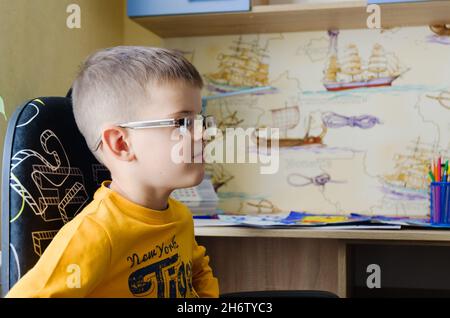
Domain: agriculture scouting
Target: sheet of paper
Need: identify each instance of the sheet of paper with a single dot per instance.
(212, 222)
(360, 227)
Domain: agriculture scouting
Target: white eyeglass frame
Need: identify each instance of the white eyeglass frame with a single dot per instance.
(184, 123)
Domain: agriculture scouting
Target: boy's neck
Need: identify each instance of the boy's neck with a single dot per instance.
(147, 197)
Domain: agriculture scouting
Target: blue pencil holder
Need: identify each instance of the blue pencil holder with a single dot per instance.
(440, 203)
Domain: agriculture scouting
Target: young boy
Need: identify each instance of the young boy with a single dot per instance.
(132, 240)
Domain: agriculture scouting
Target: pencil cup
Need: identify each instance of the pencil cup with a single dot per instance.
(440, 203)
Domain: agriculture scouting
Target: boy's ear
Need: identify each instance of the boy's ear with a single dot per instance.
(116, 142)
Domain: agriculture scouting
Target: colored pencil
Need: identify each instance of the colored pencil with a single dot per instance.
(439, 169)
(445, 177)
(431, 176)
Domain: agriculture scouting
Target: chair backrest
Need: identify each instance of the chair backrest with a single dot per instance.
(48, 176)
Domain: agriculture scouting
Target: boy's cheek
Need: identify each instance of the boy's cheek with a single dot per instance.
(175, 162)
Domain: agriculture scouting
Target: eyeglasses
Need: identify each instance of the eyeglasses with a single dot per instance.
(184, 123)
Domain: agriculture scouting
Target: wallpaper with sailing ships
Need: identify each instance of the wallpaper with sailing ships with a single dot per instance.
(360, 113)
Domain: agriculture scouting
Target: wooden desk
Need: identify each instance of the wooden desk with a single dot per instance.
(314, 259)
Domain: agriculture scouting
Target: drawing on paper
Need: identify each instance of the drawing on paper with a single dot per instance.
(443, 98)
(410, 178)
(441, 34)
(300, 180)
(333, 120)
(219, 175)
(243, 67)
(347, 71)
(263, 206)
(287, 118)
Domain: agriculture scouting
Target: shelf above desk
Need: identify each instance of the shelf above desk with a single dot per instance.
(266, 18)
(375, 235)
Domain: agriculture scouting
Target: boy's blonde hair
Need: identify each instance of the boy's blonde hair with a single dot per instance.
(114, 83)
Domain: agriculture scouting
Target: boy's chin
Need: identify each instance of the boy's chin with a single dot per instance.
(194, 176)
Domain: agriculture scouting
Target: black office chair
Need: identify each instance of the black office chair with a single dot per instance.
(48, 176)
(281, 294)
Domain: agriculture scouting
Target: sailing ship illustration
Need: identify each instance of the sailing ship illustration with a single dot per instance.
(348, 71)
(243, 67)
(410, 179)
(287, 118)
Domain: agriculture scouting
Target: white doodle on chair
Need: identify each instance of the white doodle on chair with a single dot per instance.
(57, 184)
(41, 237)
(16, 258)
(32, 117)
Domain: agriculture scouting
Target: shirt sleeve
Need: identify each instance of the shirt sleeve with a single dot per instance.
(72, 265)
(205, 284)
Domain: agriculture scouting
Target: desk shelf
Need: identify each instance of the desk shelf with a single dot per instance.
(271, 18)
(323, 233)
(331, 260)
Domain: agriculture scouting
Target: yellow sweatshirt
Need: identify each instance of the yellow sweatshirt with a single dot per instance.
(116, 248)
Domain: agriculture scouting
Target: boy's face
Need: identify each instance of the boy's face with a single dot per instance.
(153, 147)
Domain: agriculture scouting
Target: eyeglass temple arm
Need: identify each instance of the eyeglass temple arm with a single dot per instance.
(150, 124)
